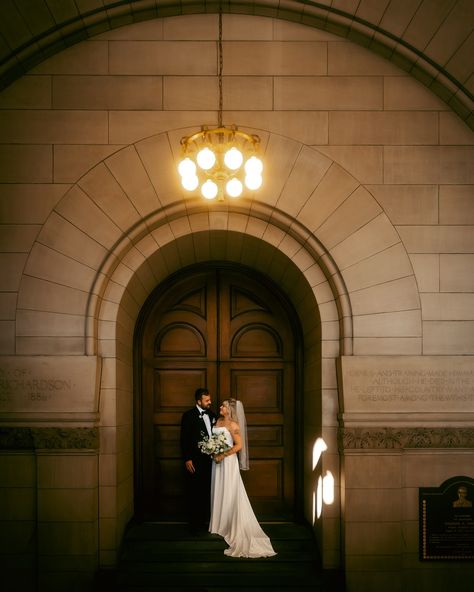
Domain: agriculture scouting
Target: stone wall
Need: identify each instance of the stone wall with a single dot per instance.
(365, 219)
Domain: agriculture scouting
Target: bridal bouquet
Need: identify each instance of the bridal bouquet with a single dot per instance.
(215, 444)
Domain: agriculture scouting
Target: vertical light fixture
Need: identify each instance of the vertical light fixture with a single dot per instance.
(221, 161)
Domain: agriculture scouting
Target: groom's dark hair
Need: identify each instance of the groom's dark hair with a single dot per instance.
(200, 392)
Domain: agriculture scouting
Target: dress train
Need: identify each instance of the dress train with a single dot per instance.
(232, 516)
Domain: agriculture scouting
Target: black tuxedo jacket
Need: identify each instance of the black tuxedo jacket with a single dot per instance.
(193, 430)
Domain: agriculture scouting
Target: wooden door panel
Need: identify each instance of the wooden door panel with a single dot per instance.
(173, 386)
(208, 330)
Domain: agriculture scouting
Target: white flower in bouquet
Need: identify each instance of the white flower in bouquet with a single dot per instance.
(215, 444)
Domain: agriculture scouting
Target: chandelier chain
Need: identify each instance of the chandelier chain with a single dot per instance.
(221, 66)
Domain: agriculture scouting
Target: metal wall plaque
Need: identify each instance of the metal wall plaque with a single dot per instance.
(447, 520)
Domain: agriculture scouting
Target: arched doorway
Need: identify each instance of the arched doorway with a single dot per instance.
(228, 328)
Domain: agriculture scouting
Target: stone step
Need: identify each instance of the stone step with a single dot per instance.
(166, 557)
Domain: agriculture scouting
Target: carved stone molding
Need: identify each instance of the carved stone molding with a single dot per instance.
(21, 438)
(383, 438)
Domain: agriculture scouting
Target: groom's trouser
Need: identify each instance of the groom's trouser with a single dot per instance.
(198, 493)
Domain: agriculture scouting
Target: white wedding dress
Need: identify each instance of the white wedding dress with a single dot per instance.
(232, 516)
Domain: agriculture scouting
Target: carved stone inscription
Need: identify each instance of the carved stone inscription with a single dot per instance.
(408, 383)
(48, 384)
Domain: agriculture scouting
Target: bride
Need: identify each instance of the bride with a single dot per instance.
(232, 516)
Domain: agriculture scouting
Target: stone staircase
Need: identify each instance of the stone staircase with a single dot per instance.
(165, 557)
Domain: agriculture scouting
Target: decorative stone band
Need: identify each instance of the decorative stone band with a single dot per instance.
(383, 438)
(21, 438)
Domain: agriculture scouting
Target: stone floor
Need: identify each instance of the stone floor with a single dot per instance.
(166, 557)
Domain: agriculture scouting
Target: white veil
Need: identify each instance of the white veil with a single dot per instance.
(244, 451)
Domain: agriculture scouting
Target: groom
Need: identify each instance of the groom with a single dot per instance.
(197, 423)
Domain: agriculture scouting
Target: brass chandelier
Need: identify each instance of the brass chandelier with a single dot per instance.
(223, 160)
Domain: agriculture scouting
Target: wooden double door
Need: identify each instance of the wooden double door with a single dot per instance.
(229, 331)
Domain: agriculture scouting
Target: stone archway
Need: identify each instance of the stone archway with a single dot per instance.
(124, 227)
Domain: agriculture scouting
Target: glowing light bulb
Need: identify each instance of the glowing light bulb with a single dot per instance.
(209, 189)
(253, 181)
(254, 166)
(233, 159)
(234, 187)
(187, 167)
(190, 182)
(206, 158)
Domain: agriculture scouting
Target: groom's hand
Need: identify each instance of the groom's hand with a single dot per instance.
(189, 466)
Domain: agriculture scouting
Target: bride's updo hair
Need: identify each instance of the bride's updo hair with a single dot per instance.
(231, 405)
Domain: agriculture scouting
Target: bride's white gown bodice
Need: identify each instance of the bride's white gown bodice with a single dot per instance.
(232, 516)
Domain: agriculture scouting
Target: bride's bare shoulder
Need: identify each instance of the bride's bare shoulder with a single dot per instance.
(234, 427)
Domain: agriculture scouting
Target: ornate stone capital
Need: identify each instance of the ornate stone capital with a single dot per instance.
(383, 438)
(22, 438)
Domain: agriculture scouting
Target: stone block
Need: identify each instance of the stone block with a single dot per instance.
(328, 93)
(188, 58)
(17, 504)
(383, 128)
(59, 234)
(452, 130)
(17, 238)
(107, 92)
(349, 59)
(54, 127)
(428, 165)
(310, 128)
(71, 162)
(365, 163)
(50, 346)
(389, 324)
(90, 57)
(363, 539)
(437, 239)
(387, 346)
(404, 93)
(12, 265)
(45, 385)
(68, 538)
(333, 189)
(456, 204)
(407, 384)
(399, 294)
(373, 505)
(56, 267)
(430, 469)
(102, 187)
(26, 164)
(143, 30)
(275, 58)
(448, 337)
(190, 93)
(358, 209)
(306, 173)
(47, 296)
(376, 236)
(67, 505)
(126, 127)
(28, 204)
(384, 266)
(456, 272)
(39, 323)
(373, 471)
(447, 307)
(28, 92)
(408, 204)
(427, 270)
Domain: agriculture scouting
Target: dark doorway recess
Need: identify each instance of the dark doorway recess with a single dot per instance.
(231, 329)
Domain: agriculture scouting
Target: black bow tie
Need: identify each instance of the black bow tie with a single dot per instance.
(201, 413)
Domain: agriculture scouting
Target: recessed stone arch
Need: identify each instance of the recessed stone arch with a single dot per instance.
(111, 224)
(125, 226)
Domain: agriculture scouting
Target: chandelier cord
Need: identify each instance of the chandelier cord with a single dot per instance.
(221, 67)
